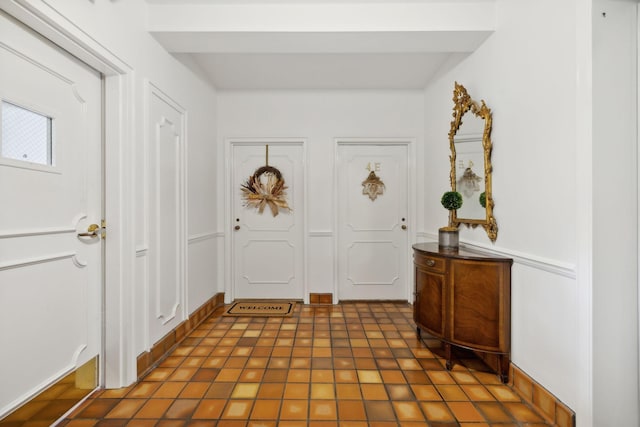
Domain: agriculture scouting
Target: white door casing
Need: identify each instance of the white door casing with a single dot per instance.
(373, 232)
(267, 251)
(50, 279)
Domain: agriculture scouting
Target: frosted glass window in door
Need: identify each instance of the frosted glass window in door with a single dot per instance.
(26, 135)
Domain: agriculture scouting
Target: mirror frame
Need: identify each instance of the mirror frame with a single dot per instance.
(463, 104)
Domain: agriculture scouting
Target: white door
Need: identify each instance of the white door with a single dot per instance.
(166, 201)
(372, 222)
(267, 228)
(50, 191)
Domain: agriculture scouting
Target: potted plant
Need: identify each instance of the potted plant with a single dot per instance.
(448, 236)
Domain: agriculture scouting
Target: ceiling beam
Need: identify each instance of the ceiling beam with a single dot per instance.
(322, 28)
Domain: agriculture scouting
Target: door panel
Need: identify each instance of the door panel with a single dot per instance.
(166, 215)
(372, 228)
(473, 298)
(268, 252)
(50, 278)
(429, 303)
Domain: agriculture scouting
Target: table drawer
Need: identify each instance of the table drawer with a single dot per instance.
(429, 262)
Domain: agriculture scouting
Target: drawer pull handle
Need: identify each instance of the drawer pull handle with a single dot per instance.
(431, 262)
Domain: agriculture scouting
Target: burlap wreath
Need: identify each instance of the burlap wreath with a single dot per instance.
(261, 191)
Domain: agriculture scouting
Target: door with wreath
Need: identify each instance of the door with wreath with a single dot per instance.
(373, 221)
(267, 220)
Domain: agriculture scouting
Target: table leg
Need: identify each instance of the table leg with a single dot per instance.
(447, 355)
(503, 368)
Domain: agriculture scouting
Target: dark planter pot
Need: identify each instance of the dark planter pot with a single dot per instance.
(448, 238)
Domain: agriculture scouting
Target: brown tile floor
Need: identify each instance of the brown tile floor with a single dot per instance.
(350, 365)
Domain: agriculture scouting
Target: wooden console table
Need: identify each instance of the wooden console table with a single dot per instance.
(463, 298)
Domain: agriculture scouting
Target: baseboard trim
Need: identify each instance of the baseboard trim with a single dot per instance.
(54, 401)
(549, 406)
(373, 301)
(149, 359)
(321, 298)
(536, 395)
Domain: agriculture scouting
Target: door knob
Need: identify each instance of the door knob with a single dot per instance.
(404, 227)
(93, 231)
(237, 227)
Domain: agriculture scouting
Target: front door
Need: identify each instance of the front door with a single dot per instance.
(372, 222)
(267, 220)
(50, 194)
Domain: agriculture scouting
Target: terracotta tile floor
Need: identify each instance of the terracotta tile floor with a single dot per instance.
(349, 365)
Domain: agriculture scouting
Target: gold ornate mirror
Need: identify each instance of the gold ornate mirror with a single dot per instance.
(470, 143)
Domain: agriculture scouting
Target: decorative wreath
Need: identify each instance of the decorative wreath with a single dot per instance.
(469, 182)
(265, 187)
(372, 186)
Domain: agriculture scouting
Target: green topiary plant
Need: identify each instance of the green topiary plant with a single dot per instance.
(451, 200)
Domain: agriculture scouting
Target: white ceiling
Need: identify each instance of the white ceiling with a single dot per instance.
(316, 44)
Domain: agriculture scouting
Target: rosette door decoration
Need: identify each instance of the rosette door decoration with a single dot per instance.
(266, 187)
(372, 186)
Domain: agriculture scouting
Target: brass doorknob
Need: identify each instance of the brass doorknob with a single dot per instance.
(93, 231)
(237, 227)
(404, 227)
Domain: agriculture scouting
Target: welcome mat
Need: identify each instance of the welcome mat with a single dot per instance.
(260, 308)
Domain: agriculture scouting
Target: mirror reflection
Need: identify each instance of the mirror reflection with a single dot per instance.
(470, 143)
(470, 167)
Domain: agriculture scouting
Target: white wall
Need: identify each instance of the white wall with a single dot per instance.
(318, 117)
(533, 73)
(118, 29)
(527, 76)
(151, 62)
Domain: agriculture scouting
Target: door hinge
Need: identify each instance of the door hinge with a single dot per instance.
(103, 227)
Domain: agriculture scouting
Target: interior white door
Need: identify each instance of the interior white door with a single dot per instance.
(50, 191)
(268, 249)
(166, 201)
(372, 222)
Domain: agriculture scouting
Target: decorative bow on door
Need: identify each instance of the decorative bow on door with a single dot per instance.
(266, 187)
